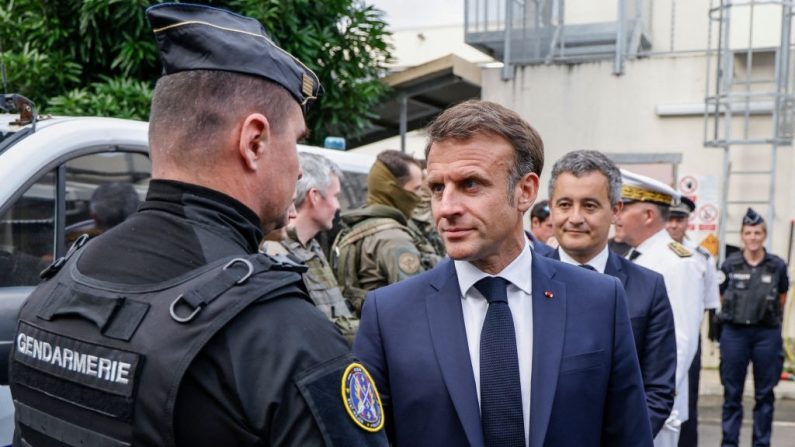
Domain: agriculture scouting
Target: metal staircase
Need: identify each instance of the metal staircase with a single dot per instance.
(526, 32)
(747, 83)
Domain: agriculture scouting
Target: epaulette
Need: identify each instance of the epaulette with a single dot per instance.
(680, 249)
(703, 252)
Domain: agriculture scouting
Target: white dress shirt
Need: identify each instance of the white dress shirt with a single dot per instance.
(474, 305)
(598, 262)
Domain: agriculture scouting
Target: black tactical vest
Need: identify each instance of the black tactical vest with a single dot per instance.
(99, 364)
(752, 295)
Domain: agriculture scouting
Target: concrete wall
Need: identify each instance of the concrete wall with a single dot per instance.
(584, 106)
(416, 46)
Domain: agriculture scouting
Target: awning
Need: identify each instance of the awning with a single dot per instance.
(422, 92)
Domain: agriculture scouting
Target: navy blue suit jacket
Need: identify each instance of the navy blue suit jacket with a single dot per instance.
(538, 246)
(586, 386)
(653, 328)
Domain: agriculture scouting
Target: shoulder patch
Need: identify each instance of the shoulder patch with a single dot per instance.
(409, 262)
(361, 398)
(680, 250)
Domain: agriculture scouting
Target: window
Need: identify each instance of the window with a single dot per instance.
(27, 234)
(100, 190)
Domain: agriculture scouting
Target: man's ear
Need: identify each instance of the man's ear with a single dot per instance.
(312, 195)
(255, 136)
(617, 208)
(527, 191)
(649, 214)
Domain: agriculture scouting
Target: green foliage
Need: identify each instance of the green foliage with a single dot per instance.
(98, 57)
(117, 97)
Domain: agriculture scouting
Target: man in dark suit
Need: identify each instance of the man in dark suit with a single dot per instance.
(499, 346)
(538, 246)
(585, 196)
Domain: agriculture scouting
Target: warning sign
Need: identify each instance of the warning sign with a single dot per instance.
(688, 185)
(705, 192)
(708, 213)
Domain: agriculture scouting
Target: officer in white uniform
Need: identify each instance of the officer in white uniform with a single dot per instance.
(677, 228)
(678, 221)
(641, 224)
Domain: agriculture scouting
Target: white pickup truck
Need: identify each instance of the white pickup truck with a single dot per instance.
(48, 172)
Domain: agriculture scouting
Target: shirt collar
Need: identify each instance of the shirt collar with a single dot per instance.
(517, 272)
(598, 262)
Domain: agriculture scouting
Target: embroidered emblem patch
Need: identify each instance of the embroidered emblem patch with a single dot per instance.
(409, 263)
(361, 399)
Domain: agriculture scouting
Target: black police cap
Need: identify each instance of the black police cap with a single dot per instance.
(198, 37)
(752, 218)
(684, 207)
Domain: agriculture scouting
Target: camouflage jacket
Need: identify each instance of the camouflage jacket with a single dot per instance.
(319, 281)
(378, 246)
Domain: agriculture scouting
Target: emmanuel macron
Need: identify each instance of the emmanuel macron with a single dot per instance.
(499, 346)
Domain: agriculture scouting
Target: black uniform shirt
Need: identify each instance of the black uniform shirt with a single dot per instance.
(240, 390)
(780, 265)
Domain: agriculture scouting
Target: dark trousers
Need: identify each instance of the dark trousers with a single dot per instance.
(688, 436)
(738, 346)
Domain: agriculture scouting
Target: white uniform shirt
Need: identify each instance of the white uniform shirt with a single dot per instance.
(474, 305)
(684, 284)
(598, 262)
(711, 293)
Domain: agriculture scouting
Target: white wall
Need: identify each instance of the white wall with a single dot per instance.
(417, 46)
(584, 106)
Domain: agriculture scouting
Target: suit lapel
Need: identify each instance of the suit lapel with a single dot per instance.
(448, 333)
(615, 269)
(549, 325)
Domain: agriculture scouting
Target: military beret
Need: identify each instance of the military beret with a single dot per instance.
(752, 218)
(639, 188)
(684, 207)
(197, 37)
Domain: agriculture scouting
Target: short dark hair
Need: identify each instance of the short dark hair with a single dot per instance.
(112, 203)
(398, 164)
(540, 211)
(473, 117)
(579, 163)
(665, 211)
(190, 109)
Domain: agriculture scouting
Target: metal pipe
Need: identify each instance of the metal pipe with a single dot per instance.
(507, 69)
(709, 55)
(404, 101)
(673, 26)
(782, 87)
(723, 86)
(618, 62)
(724, 213)
(749, 63)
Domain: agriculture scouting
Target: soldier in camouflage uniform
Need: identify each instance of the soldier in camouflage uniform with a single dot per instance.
(422, 218)
(378, 246)
(316, 203)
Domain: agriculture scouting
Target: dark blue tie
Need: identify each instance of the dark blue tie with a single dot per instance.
(500, 389)
(588, 267)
